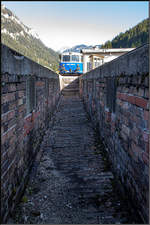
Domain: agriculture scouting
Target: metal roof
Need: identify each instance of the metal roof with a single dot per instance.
(106, 50)
(70, 53)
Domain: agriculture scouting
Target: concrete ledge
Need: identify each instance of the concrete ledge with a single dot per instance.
(21, 65)
(133, 62)
(116, 97)
(30, 95)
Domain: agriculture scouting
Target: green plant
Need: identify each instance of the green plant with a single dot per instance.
(24, 199)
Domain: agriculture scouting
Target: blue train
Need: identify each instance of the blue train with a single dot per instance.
(71, 63)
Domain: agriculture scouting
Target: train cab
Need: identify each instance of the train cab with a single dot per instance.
(71, 63)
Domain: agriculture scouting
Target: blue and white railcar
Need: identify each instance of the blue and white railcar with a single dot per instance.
(71, 63)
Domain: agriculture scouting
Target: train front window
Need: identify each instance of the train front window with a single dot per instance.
(66, 58)
(75, 58)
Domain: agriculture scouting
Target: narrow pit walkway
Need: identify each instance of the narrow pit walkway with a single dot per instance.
(73, 183)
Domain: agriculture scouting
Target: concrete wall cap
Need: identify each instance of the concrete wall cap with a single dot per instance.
(16, 64)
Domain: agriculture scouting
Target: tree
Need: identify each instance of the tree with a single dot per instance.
(133, 37)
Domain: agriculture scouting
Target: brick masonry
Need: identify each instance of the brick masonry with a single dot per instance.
(30, 94)
(116, 96)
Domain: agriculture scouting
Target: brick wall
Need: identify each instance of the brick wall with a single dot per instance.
(30, 94)
(116, 97)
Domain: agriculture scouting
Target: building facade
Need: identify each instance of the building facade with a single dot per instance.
(95, 57)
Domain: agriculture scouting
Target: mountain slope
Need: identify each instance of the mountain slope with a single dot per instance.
(134, 37)
(77, 48)
(23, 39)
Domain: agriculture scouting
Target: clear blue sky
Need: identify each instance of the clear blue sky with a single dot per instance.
(61, 23)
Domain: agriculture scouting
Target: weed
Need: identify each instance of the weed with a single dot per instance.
(24, 199)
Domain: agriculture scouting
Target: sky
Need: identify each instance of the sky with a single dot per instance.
(62, 24)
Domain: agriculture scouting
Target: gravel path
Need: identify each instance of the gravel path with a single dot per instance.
(73, 183)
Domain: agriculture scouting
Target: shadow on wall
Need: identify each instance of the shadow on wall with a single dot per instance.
(116, 96)
(30, 95)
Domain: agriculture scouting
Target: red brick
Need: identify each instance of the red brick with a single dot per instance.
(2, 129)
(12, 87)
(126, 121)
(4, 98)
(20, 101)
(147, 147)
(112, 126)
(28, 118)
(4, 117)
(4, 155)
(145, 158)
(122, 96)
(119, 102)
(26, 126)
(124, 135)
(11, 96)
(126, 129)
(134, 136)
(39, 83)
(125, 106)
(11, 132)
(131, 99)
(143, 103)
(136, 149)
(21, 94)
(146, 93)
(107, 116)
(21, 108)
(133, 118)
(11, 123)
(146, 136)
(133, 155)
(11, 114)
(118, 95)
(34, 115)
(146, 115)
(3, 138)
(13, 105)
(12, 141)
(4, 176)
(140, 92)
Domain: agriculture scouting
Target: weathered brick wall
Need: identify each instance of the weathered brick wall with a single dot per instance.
(30, 94)
(116, 97)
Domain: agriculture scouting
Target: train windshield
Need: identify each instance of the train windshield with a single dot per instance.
(75, 58)
(66, 58)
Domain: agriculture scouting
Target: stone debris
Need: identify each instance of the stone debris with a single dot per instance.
(72, 184)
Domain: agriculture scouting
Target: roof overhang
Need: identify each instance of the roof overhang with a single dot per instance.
(111, 50)
(96, 55)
